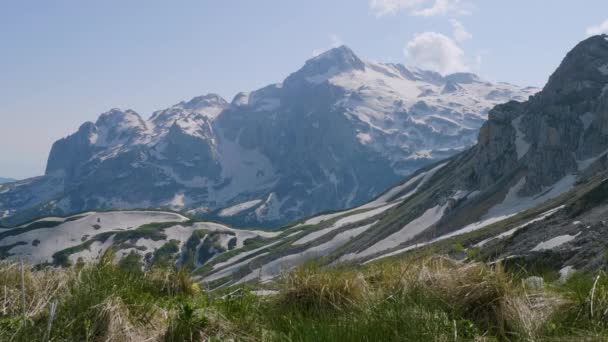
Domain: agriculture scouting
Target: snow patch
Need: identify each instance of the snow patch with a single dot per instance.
(554, 242)
(177, 201)
(513, 203)
(235, 209)
(342, 222)
(73, 233)
(270, 210)
(511, 206)
(409, 231)
(383, 199)
(283, 264)
(229, 270)
(243, 255)
(583, 164)
(521, 145)
(364, 138)
(512, 231)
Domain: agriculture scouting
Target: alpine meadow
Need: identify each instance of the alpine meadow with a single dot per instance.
(382, 170)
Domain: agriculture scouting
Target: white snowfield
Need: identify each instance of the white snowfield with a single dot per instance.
(554, 242)
(383, 90)
(241, 256)
(80, 229)
(389, 196)
(284, 264)
(241, 234)
(376, 207)
(38, 246)
(409, 231)
(343, 222)
(181, 234)
(512, 231)
(512, 205)
(237, 208)
(385, 198)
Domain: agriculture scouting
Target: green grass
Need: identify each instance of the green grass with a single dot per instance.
(103, 302)
(30, 227)
(431, 299)
(424, 299)
(165, 255)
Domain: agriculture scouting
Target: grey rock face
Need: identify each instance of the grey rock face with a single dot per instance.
(549, 136)
(334, 134)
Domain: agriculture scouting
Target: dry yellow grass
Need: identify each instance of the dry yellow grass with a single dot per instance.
(312, 288)
(20, 285)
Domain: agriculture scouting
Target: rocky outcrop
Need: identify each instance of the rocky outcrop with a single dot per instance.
(554, 132)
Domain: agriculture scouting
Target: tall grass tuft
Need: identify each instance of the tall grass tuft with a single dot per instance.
(309, 288)
(106, 301)
(432, 298)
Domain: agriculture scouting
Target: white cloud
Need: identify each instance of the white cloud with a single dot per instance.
(335, 42)
(443, 7)
(598, 29)
(459, 32)
(425, 8)
(383, 7)
(437, 52)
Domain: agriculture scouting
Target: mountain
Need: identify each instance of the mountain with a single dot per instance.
(332, 135)
(6, 180)
(532, 191)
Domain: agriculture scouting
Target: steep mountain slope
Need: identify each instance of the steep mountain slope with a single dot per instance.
(533, 187)
(532, 190)
(334, 134)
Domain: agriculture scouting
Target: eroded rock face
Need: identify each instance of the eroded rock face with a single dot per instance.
(334, 134)
(559, 128)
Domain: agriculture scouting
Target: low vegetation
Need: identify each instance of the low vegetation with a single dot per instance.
(430, 298)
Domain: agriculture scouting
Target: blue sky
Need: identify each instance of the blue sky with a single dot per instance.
(65, 62)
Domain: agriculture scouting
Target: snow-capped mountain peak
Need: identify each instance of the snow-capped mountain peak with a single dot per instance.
(341, 57)
(326, 65)
(333, 134)
(117, 127)
(208, 106)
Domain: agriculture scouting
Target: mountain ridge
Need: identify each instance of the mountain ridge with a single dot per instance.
(332, 135)
(533, 194)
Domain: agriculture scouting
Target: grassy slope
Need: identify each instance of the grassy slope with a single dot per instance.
(419, 298)
(585, 195)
